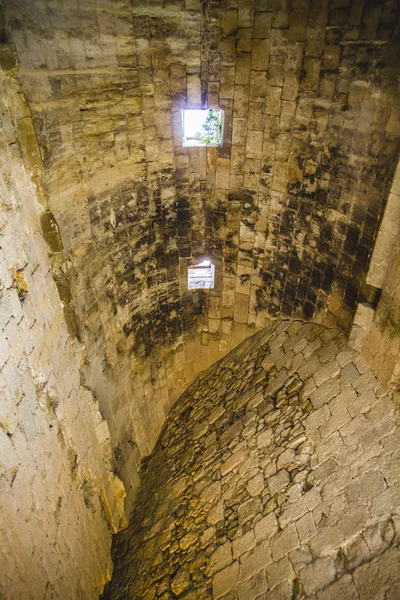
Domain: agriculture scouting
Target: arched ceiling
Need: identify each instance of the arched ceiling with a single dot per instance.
(288, 208)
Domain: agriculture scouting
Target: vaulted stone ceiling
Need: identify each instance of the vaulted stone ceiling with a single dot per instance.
(288, 208)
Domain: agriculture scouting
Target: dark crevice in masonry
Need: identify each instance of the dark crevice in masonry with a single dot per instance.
(51, 235)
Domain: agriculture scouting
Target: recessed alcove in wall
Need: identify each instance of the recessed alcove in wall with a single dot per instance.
(201, 276)
(202, 127)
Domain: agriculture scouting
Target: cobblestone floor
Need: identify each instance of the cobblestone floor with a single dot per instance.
(276, 476)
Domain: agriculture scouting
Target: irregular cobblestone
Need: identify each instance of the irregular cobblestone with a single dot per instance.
(299, 498)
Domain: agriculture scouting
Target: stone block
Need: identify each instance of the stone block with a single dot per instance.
(241, 308)
(238, 158)
(225, 581)
(241, 101)
(258, 86)
(260, 55)
(227, 82)
(273, 100)
(243, 544)
(242, 71)
(373, 577)
(193, 91)
(229, 22)
(284, 542)
(279, 572)
(325, 393)
(244, 39)
(249, 509)
(256, 485)
(326, 542)
(317, 575)
(262, 24)
(246, 13)
(255, 561)
(292, 512)
(266, 527)
(239, 131)
(232, 462)
(277, 482)
(222, 174)
(221, 558)
(253, 588)
(326, 372)
(254, 144)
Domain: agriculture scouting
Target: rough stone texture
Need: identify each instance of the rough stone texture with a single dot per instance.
(324, 524)
(380, 342)
(288, 208)
(59, 499)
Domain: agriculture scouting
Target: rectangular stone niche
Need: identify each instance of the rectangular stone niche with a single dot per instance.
(202, 127)
(201, 276)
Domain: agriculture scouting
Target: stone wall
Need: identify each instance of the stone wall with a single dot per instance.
(276, 477)
(59, 499)
(288, 208)
(379, 338)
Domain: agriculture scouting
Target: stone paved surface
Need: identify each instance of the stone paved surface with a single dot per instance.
(276, 476)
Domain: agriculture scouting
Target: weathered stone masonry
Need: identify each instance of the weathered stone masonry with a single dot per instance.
(288, 208)
(102, 210)
(59, 498)
(276, 477)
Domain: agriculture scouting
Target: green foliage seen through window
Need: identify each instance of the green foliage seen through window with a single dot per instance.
(211, 133)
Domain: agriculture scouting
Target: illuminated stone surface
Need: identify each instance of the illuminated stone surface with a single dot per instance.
(102, 211)
(311, 513)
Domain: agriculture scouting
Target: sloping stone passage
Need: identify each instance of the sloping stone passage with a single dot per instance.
(276, 476)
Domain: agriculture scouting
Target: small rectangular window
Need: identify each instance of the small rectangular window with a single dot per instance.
(201, 276)
(202, 127)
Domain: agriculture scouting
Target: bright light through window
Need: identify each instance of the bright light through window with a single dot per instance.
(201, 276)
(202, 127)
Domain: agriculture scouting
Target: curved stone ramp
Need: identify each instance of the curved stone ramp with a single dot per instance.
(276, 477)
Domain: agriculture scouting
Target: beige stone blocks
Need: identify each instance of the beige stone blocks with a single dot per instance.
(260, 55)
(262, 24)
(246, 13)
(239, 131)
(254, 144)
(226, 580)
(193, 91)
(241, 308)
(229, 22)
(258, 85)
(307, 492)
(144, 205)
(222, 174)
(241, 101)
(227, 82)
(255, 561)
(55, 449)
(242, 69)
(317, 575)
(253, 587)
(243, 544)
